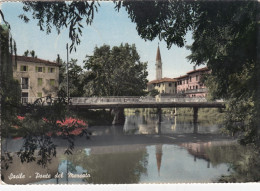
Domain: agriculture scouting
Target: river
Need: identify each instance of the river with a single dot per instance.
(140, 151)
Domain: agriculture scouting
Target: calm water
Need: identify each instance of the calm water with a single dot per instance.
(136, 124)
(114, 160)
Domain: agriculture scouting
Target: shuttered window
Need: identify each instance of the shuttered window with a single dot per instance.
(39, 81)
(52, 82)
(24, 68)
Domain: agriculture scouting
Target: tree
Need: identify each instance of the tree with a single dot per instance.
(26, 53)
(76, 77)
(116, 71)
(32, 53)
(10, 92)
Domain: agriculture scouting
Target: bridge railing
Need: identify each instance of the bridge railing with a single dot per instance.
(85, 100)
(127, 99)
(185, 99)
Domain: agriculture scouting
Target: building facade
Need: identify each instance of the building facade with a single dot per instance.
(163, 86)
(191, 84)
(38, 77)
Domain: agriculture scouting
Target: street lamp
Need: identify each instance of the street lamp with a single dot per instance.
(67, 71)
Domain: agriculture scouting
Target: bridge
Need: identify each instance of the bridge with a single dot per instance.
(118, 103)
(143, 102)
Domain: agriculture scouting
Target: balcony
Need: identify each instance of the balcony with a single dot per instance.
(201, 90)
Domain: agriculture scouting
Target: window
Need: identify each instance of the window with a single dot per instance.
(193, 87)
(187, 81)
(196, 87)
(52, 82)
(24, 97)
(38, 69)
(51, 70)
(197, 77)
(39, 81)
(39, 94)
(24, 68)
(190, 78)
(170, 84)
(25, 83)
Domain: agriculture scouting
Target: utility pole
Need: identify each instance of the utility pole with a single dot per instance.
(67, 72)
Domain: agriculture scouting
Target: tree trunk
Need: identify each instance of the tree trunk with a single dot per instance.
(258, 69)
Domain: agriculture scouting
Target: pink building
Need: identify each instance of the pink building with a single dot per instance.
(191, 84)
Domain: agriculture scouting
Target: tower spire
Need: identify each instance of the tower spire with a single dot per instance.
(158, 64)
(158, 55)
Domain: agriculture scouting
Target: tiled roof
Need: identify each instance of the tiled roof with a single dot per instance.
(198, 70)
(36, 60)
(162, 80)
(184, 76)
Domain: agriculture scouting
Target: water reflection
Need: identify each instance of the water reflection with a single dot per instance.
(132, 159)
(148, 124)
(160, 163)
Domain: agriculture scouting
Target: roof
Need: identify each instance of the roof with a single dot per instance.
(184, 76)
(158, 55)
(199, 70)
(36, 60)
(162, 80)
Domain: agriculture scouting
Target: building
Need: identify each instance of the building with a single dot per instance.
(38, 77)
(191, 84)
(163, 85)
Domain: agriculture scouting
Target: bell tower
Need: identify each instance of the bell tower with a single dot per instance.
(158, 64)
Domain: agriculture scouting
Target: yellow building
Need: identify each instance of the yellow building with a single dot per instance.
(38, 77)
(163, 86)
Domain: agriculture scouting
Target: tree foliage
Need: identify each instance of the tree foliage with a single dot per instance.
(10, 91)
(62, 14)
(32, 53)
(76, 78)
(116, 71)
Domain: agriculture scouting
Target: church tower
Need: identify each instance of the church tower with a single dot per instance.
(158, 64)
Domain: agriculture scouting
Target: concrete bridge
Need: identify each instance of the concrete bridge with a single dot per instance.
(118, 104)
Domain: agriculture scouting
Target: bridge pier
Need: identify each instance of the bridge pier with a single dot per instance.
(195, 119)
(119, 116)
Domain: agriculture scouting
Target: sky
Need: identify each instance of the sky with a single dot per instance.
(109, 27)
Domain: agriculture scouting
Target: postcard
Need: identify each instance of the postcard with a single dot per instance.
(129, 92)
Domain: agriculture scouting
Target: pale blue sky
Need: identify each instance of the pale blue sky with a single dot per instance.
(109, 27)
